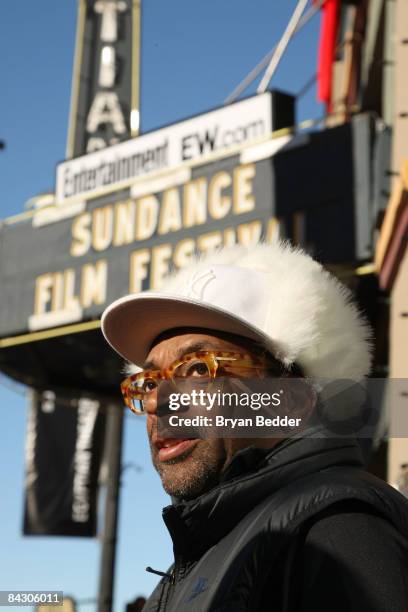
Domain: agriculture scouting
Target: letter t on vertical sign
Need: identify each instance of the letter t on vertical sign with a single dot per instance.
(108, 35)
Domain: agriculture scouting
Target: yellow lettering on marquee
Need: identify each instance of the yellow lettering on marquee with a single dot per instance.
(43, 287)
(249, 233)
(81, 235)
(273, 229)
(160, 265)
(71, 301)
(57, 292)
(195, 202)
(138, 269)
(229, 238)
(146, 217)
(93, 283)
(209, 242)
(132, 220)
(170, 213)
(102, 227)
(219, 205)
(183, 251)
(244, 200)
(124, 223)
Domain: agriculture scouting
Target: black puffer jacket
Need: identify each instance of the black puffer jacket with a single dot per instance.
(301, 527)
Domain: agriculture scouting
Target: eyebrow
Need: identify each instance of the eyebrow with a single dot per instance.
(184, 350)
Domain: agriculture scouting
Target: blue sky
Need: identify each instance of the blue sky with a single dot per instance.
(193, 55)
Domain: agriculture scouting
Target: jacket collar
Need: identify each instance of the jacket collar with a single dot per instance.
(252, 475)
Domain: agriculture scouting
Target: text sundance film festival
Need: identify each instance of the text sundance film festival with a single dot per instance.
(225, 198)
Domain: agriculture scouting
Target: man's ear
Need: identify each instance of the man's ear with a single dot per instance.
(299, 398)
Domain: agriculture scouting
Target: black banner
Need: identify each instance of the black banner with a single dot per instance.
(64, 447)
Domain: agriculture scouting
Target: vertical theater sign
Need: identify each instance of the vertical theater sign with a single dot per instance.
(105, 90)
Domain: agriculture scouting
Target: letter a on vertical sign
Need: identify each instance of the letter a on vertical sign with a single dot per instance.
(64, 448)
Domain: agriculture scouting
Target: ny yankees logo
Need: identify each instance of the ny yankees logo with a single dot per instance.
(197, 284)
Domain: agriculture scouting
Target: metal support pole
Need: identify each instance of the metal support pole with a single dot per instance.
(241, 87)
(114, 435)
(281, 46)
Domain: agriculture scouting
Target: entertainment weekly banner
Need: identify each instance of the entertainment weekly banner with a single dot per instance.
(117, 166)
(64, 447)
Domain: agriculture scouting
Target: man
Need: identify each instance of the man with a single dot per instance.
(262, 523)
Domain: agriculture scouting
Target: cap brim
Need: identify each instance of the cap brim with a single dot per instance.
(132, 323)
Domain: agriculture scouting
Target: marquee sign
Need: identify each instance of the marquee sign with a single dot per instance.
(128, 242)
(67, 271)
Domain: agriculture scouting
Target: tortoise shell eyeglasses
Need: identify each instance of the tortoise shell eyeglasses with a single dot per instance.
(203, 365)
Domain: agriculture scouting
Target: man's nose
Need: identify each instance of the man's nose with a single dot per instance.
(150, 403)
(157, 402)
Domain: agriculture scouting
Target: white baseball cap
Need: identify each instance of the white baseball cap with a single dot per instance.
(274, 294)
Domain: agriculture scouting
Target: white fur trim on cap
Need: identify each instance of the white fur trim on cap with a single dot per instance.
(273, 293)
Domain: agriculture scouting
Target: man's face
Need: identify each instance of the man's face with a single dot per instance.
(187, 468)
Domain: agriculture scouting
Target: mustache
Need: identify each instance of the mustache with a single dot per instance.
(162, 410)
